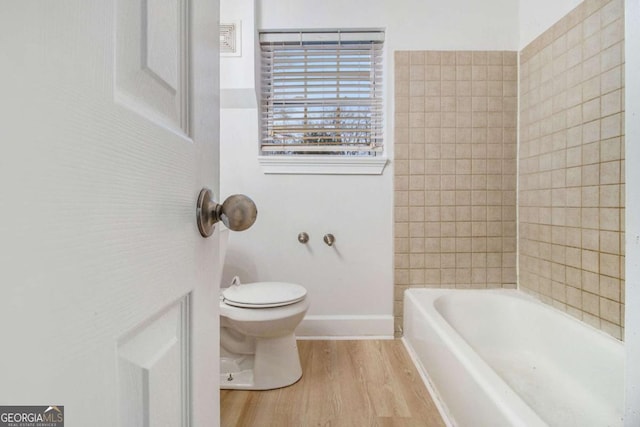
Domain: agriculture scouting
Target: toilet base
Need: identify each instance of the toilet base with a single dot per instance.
(274, 364)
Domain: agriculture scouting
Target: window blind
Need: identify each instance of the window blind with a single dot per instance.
(321, 92)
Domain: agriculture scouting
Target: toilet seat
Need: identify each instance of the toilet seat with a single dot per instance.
(263, 294)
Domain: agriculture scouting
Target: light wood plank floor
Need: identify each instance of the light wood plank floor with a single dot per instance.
(344, 384)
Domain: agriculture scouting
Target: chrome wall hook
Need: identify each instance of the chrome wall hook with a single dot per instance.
(303, 237)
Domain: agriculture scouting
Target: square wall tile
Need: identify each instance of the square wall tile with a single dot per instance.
(460, 136)
(571, 161)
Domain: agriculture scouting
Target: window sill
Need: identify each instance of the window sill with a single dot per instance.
(322, 165)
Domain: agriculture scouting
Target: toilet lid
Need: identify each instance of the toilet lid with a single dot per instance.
(263, 294)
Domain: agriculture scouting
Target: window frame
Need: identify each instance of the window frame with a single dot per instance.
(367, 159)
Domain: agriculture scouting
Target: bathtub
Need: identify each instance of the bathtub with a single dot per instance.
(501, 358)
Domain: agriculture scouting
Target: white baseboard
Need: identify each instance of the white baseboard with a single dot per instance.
(346, 327)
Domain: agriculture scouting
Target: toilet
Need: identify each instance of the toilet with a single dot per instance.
(258, 349)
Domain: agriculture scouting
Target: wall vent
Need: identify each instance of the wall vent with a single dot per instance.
(230, 39)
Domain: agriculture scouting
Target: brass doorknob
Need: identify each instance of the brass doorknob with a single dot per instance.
(237, 212)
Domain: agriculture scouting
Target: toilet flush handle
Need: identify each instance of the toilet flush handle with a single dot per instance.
(237, 212)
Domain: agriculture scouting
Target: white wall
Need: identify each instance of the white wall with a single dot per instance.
(539, 15)
(238, 71)
(632, 222)
(351, 285)
(410, 24)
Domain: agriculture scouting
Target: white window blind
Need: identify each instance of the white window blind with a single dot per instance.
(321, 92)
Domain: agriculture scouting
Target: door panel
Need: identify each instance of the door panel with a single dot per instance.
(153, 368)
(108, 291)
(152, 66)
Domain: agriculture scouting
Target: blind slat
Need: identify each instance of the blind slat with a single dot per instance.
(321, 92)
(297, 36)
(323, 148)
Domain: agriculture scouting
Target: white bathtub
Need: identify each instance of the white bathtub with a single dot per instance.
(501, 358)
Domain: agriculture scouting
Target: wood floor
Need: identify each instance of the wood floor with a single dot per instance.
(345, 384)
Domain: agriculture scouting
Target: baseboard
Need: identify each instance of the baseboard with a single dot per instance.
(346, 327)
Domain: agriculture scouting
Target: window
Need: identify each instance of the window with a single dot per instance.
(321, 93)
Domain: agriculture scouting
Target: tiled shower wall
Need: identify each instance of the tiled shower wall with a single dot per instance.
(455, 170)
(572, 165)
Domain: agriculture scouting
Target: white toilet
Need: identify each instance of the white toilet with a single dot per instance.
(258, 349)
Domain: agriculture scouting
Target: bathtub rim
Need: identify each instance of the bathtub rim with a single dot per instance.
(509, 404)
(464, 353)
(516, 293)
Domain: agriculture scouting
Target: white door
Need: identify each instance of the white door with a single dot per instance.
(108, 131)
